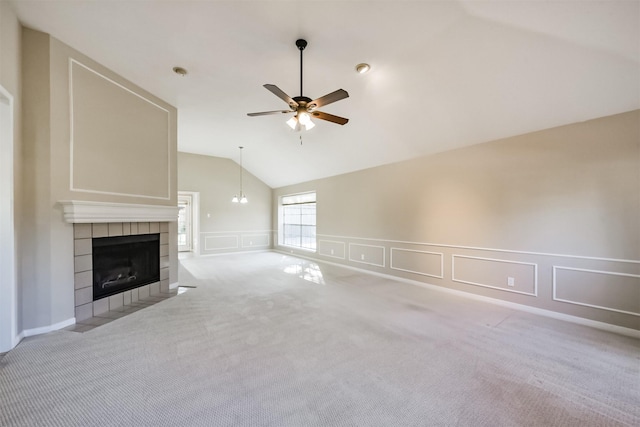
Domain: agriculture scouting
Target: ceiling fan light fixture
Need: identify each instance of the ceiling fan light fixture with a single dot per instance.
(304, 118)
(363, 68)
(293, 123)
(299, 120)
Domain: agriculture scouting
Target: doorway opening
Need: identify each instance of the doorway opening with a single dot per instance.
(188, 221)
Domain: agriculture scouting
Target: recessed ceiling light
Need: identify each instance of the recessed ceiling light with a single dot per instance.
(180, 71)
(363, 68)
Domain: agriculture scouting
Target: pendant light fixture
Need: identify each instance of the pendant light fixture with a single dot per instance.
(243, 198)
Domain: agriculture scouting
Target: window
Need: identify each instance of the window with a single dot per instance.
(298, 216)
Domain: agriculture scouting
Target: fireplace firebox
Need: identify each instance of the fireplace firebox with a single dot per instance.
(124, 262)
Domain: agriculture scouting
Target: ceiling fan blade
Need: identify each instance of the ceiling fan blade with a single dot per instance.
(328, 99)
(330, 117)
(280, 94)
(266, 113)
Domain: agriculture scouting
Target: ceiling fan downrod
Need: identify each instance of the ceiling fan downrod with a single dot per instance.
(301, 43)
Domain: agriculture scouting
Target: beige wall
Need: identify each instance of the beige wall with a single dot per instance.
(10, 47)
(541, 208)
(224, 226)
(73, 122)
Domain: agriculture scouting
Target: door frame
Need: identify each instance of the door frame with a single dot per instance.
(194, 198)
(9, 337)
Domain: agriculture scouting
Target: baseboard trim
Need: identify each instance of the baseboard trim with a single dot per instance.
(174, 285)
(44, 329)
(621, 330)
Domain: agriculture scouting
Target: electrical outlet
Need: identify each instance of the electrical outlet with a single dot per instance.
(331, 251)
(511, 281)
(362, 257)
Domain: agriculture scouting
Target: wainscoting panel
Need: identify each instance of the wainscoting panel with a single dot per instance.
(255, 241)
(505, 275)
(332, 248)
(419, 262)
(606, 290)
(216, 243)
(232, 241)
(599, 289)
(367, 254)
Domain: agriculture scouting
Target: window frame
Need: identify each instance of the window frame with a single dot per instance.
(281, 218)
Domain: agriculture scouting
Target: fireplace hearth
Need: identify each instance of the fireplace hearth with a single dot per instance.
(123, 263)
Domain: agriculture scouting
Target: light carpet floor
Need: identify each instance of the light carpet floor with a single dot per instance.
(270, 340)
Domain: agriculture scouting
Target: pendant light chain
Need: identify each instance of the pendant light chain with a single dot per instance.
(243, 198)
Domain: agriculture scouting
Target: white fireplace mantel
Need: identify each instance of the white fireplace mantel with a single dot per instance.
(79, 211)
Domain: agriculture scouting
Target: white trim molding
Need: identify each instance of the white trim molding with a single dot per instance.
(437, 276)
(251, 237)
(584, 304)
(78, 211)
(9, 336)
(479, 248)
(331, 254)
(362, 256)
(634, 333)
(535, 274)
(50, 328)
(221, 248)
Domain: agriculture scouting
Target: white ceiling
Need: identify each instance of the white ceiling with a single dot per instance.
(445, 74)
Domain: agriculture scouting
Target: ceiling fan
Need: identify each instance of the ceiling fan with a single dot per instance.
(304, 107)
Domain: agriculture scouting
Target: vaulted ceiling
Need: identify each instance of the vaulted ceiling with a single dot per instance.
(445, 74)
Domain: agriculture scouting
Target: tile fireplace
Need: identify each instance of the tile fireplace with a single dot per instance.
(121, 286)
(94, 221)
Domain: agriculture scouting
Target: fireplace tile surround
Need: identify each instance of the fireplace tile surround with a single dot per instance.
(83, 233)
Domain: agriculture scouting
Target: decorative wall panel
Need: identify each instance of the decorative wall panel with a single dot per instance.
(607, 290)
(331, 248)
(367, 254)
(120, 140)
(418, 262)
(505, 275)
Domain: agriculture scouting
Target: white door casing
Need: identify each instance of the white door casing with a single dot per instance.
(8, 286)
(188, 218)
(185, 234)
